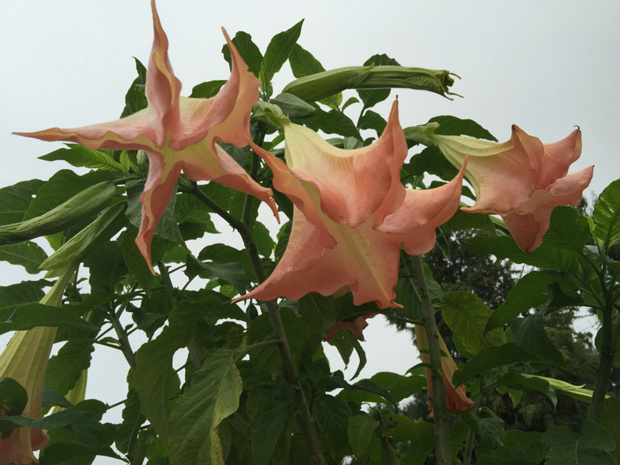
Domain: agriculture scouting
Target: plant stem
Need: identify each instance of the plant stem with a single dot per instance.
(123, 340)
(388, 451)
(601, 383)
(442, 431)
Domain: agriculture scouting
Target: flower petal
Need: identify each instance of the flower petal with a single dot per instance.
(356, 327)
(501, 174)
(530, 222)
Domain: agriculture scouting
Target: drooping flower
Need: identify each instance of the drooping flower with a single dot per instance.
(25, 359)
(351, 216)
(456, 397)
(178, 134)
(522, 180)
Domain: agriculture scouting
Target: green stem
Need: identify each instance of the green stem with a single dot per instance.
(123, 340)
(442, 431)
(601, 383)
(388, 451)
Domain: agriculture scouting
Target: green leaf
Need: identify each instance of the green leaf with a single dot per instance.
(155, 379)
(106, 266)
(13, 397)
(578, 392)
(334, 122)
(421, 437)
(135, 261)
(80, 156)
(293, 107)
(207, 89)
(493, 357)
(505, 455)
(372, 120)
(361, 429)
(262, 238)
(562, 246)
(529, 292)
(490, 433)
(530, 334)
(28, 316)
(303, 63)
(212, 396)
(453, 126)
(278, 51)
(15, 295)
(135, 99)
(607, 215)
(332, 417)
(127, 437)
(318, 311)
(611, 421)
(65, 368)
(248, 51)
(15, 199)
(590, 447)
(26, 254)
(267, 430)
(467, 316)
(522, 382)
(530, 443)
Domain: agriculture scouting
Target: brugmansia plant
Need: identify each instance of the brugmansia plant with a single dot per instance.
(135, 252)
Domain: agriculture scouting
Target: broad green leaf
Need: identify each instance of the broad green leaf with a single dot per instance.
(607, 215)
(248, 51)
(106, 266)
(333, 122)
(505, 455)
(453, 126)
(530, 443)
(127, 437)
(135, 261)
(562, 247)
(529, 292)
(421, 437)
(361, 429)
(467, 316)
(590, 447)
(207, 89)
(82, 157)
(530, 334)
(15, 199)
(318, 311)
(28, 316)
(262, 239)
(293, 107)
(155, 379)
(332, 417)
(278, 51)
(15, 295)
(522, 382)
(65, 368)
(212, 396)
(135, 99)
(372, 120)
(26, 254)
(490, 433)
(267, 430)
(303, 63)
(493, 357)
(611, 421)
(13, 397)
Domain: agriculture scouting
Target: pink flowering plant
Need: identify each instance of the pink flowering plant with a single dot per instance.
(367, 226)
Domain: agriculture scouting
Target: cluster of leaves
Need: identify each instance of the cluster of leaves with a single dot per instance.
(230, 403)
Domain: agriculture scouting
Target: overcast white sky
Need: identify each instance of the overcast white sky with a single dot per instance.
(545, 66)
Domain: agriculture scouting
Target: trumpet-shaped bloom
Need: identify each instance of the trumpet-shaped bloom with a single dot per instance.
(25, 360)
(351, 216)
(522, 179)
(456, 397)
(178, 134)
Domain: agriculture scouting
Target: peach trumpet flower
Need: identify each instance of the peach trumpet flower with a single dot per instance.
(178, 134)
(351, 216)
(25, 360)
(456, 397)
(522, 179)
